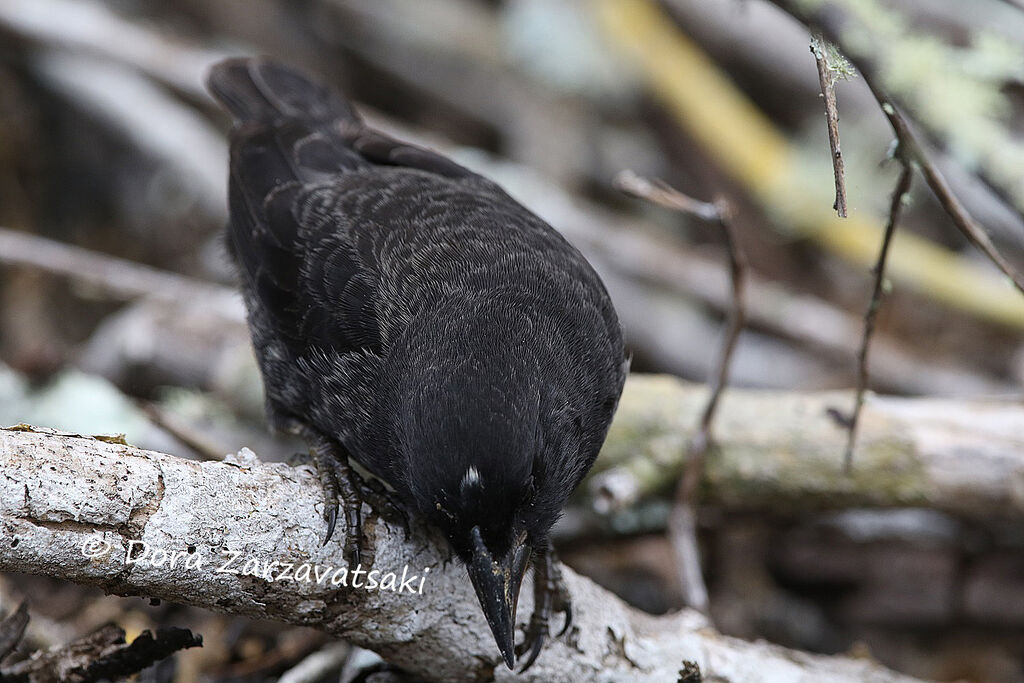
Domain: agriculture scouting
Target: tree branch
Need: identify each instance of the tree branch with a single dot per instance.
(777, 451)
(63, 497)
(116, 277)
(683, 520)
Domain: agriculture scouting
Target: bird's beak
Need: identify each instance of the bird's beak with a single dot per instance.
(497, 581)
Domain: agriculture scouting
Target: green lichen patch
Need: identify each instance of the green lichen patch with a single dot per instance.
(112, 438)
(20, 427)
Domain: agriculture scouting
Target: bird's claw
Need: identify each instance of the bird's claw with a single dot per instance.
(567, 611)
(331, 517)
(373, 492)
(550, 595)
(353, 502)
(338, 482)
(325, 462)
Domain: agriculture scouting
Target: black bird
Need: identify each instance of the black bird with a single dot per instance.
(409, 314)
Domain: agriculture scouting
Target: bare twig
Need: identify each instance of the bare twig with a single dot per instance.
(202, 444)
(962, 219)
(899, 196)
(910, 151)
(828, 92)
(682, 523)
(662, 194)
(717, 212)
(118, 278)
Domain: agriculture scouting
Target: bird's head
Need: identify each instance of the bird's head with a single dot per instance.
(476, 471)
(487, 521)
(488, 447)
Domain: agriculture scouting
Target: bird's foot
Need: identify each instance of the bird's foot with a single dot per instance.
(337, 484)
(377, 496)
(550, 596)
(352, 503)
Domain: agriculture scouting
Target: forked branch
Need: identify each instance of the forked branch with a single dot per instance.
(683, 521)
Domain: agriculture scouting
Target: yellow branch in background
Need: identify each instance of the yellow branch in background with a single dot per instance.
(751, 149)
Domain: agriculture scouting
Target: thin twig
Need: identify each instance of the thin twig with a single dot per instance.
(682, 522)
(962, 219)
(895, 209)
(828, 92)
(204, 446)
(116, 277)
(660, 193)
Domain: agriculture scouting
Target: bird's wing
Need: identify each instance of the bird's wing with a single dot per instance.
(384, 150)
(304, 171)
(309, 192)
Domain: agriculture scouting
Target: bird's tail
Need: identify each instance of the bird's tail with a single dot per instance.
(256, 89)
(290, 131)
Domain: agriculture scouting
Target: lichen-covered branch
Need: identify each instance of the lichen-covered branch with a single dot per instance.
(784, 450)
(879, 44)
(73, 507)
(955, 92)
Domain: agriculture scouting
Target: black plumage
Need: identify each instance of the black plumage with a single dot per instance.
(409, 314)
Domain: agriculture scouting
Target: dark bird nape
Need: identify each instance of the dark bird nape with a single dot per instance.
(408, 314)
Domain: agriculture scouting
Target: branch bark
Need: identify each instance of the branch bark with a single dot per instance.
(783, 451)
(63, 495)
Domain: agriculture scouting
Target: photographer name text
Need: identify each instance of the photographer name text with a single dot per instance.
(142, 554)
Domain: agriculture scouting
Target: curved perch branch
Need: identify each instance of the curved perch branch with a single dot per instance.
(62, 495)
